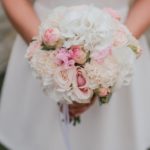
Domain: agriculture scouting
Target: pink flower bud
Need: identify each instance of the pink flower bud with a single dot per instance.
(103, 92)
(51, 36)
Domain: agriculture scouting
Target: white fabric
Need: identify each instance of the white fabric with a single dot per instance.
(30, 121)
(112, 3)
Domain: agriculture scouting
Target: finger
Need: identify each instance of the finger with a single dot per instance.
(76, 114)
(94, 98)
(78, 110)
(75, 104)
(78, 105)
(82, 108)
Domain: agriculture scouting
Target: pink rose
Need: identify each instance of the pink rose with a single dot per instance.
(102, 92)
(78, 54)
(80, 80)
(51, 36)
(81, 86)
(64, 58)
(113, 13)
(102, 54)
(33, 47)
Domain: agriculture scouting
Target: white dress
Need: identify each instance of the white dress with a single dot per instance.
(29, 120)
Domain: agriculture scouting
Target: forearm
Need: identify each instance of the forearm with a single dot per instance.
(23, 17)
(139, 17)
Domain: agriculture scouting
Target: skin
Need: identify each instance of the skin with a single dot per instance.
(138, 21)
(23, 17)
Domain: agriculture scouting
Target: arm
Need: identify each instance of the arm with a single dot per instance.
(23, 17)
(139, 17)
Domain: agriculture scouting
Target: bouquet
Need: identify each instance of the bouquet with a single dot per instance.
(82, 51)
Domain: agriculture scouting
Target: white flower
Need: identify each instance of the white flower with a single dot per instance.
(104, 74)
(81, 28)
(43, 65)
(126, 59)
(64, 78)
(33, 47)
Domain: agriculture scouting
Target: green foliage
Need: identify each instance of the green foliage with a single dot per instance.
(1, 81)
(133, 48)
(106, 99)
(2, 147)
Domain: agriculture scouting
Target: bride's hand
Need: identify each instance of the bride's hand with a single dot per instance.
(76, 109)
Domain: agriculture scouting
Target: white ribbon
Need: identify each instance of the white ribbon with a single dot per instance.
(65, 121)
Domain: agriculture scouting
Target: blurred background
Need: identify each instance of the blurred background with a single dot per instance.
(7, 37)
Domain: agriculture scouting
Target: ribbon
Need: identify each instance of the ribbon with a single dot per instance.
(65, 121)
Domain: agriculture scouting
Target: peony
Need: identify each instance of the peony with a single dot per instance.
(78, 54)
(84, 29)
(51, 36)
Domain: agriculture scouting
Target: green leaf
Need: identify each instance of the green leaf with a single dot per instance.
(106, 99)
(48, 48)
(75, 121)
(133, 48)
(88, 59)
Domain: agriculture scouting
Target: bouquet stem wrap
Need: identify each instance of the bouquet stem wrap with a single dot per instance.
(65, 122)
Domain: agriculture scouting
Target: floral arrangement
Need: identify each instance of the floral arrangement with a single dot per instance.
(83, 51)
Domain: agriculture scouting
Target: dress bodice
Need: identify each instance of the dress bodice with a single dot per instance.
(101, 3)
(43, 6)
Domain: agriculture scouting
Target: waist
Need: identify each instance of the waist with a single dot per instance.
(43, 10)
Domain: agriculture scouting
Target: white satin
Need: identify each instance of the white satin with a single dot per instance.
(30, 121)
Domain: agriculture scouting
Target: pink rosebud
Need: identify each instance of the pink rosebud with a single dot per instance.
(78, 54)
(113, 13)
(51, 36)
(103, 92)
